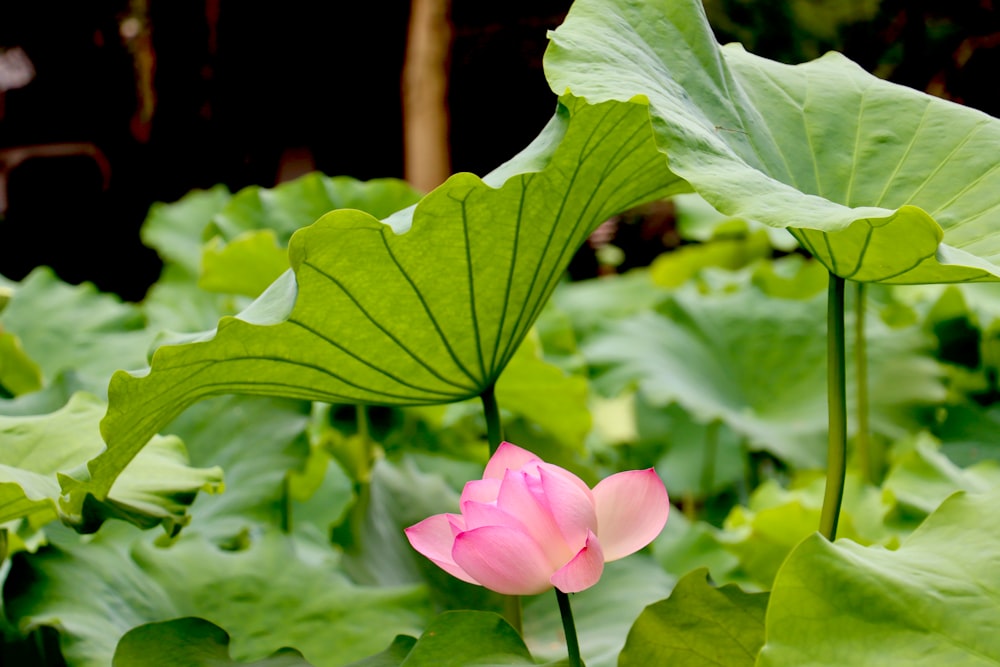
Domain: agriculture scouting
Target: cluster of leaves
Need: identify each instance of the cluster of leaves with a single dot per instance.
(336, 376)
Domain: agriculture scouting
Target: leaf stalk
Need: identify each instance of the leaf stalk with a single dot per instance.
(836, 467)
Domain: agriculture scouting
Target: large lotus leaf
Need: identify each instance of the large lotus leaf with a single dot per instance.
(880, 182)
(189, 641)
(758, 364)
(74, 327)
(427, 307)
(39, 451)
(933, 601)
(698, 625)
(266, 596)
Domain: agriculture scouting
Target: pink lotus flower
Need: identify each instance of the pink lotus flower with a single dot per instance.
(528, 525)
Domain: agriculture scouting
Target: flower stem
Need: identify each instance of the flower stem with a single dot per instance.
(494, 430)
(569, 629)
(866, 458)
(836, 466)
(494, 434)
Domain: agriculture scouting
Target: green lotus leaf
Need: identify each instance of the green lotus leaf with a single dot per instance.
(698, 625)
(878, 181)
(41, 452)
(189, 641)
(266, 595)
(933, 601)
(426, 307)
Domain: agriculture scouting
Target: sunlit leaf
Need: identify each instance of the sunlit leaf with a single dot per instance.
(880, 182)
(933, 601)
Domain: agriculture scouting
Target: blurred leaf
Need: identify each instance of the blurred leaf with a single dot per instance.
(392, 656)
(697, 626)
(74, 327)
(698, 221)
(175, 230)
(762, 534)
(933, 600)
(685, 546)
(18, 373)
(672, 269)
(549, 398)
(289, 206)
(758, 364)
(256, 441)
(247, 265)
(923, 477)
(192, 642)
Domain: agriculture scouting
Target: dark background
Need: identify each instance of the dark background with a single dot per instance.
(237, 89)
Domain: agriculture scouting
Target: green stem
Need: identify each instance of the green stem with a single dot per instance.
(836, 466)
(494, 434)
(711, 454)
(864, 445)
(569, 628)
(494, 430)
